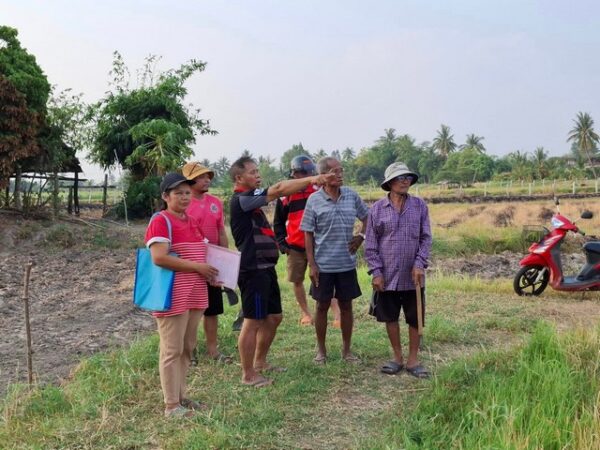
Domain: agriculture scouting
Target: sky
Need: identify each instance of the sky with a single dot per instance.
(335, 74)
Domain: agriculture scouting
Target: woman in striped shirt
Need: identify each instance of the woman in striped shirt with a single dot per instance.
(178, 326)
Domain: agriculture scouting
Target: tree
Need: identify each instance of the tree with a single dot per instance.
(539, 159)
(585, 137)
(18, 130)
(22, 70)
(474, 142)
(348, 154)
(288, 155)
(148, 130)
(444, 141)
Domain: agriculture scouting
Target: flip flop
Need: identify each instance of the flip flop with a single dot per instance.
(391, 368)
(259, 382)
(351, 358)
(418, 372)
(179, 412)
(320, 359)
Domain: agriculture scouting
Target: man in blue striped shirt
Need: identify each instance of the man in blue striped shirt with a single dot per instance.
(328, 225)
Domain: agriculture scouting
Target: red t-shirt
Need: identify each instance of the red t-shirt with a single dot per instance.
(189, 288)
(209, 213)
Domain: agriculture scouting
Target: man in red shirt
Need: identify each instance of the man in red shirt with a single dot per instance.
(208, 211)
(286, 224)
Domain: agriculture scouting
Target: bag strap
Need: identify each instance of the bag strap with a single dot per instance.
(168, 225)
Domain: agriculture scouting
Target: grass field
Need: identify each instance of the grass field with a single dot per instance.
(511, 373)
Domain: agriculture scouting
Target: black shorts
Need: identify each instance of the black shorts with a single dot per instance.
(215, 301)
(389, 303)
(260, 293)
(341, 285)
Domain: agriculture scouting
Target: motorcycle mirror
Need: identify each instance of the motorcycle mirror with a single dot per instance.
(587, 214)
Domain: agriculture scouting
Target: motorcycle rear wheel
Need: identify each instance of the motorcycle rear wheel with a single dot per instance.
(526, 280)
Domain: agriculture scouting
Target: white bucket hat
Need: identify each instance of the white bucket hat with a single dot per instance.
(394, 170)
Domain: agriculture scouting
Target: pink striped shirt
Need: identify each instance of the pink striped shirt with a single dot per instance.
(189, 288)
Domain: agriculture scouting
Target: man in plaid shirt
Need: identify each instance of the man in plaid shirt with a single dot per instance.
(397, 246)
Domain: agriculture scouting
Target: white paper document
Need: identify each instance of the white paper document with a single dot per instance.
(227, 262)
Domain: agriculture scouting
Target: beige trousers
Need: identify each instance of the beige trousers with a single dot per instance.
(178, 337)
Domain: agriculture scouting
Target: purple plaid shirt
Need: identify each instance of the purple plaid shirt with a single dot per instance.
(397, 241)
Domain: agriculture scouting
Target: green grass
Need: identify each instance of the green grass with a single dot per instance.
(479, 399)
(541, 395)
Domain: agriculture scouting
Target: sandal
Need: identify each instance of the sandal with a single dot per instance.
(391, 368)
(258, 382)
(351, 358)
(418, 372)
(320, 360)
(179, 412)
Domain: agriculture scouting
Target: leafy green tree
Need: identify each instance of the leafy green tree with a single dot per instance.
(475, 142)
(522, 168)
(148, 129)
(288, 155)
(348, 154)
(22, 70)
(444, 141)
(586, 139)
(430, 162)
(539, 160)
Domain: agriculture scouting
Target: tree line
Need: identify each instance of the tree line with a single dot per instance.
(143, 125)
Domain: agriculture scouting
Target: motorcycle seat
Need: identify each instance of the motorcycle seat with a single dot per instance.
(592, 247)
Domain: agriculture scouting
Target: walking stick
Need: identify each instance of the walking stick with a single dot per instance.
(419, 313)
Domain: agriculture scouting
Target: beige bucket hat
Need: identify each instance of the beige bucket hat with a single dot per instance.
(194, 169)
(394, 170)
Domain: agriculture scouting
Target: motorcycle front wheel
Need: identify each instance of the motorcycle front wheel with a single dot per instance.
(529, 282)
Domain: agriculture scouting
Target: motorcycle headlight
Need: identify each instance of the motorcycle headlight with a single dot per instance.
(556, 223)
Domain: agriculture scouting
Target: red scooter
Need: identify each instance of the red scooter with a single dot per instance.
(543, 263)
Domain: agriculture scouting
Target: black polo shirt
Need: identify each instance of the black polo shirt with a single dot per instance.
(251, 230)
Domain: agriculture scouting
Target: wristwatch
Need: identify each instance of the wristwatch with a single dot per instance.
(362, 235)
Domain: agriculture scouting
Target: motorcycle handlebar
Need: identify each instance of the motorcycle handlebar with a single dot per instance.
(581, 232)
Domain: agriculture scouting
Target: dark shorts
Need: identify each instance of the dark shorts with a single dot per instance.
(215, 301)
(260, 293)
(389, 303)
(341, 285)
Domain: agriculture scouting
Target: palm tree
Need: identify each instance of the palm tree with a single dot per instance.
(444, 141)
(348, 154)
(585, 137)
(474, 142)
(540, 158)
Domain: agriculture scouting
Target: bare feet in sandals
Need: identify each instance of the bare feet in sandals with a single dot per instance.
(258, 382)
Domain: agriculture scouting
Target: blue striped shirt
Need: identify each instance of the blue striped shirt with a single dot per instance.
(332, 223)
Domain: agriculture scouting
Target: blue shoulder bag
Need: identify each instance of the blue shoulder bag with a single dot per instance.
(153, 284)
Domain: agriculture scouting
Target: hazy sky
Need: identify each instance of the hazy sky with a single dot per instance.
(334, 74)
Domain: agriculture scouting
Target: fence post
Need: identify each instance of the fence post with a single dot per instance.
(596, 187)
(104, 193)
(485, 189)
(530, 189)
(573, 187)
(27, 323)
